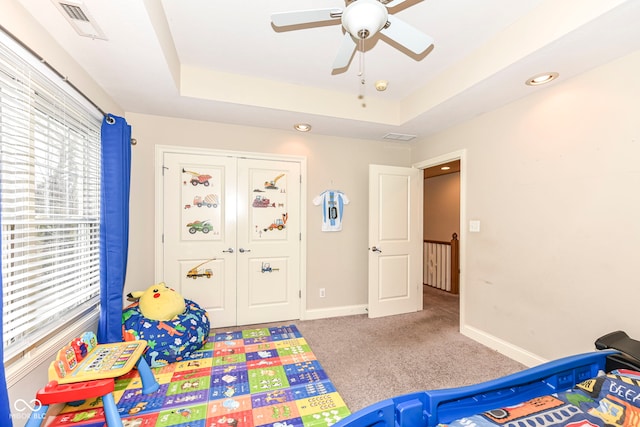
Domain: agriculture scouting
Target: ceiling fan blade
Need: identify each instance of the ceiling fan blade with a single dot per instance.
(394, 3)
(406, 35)
(345, 52)
(297, 17)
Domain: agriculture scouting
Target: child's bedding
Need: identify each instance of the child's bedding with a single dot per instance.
(607, 400)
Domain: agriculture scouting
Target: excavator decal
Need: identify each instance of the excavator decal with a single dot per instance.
(271, 185)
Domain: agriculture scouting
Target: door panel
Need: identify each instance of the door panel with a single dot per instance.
(395, 239)
(199, 224)
(269, 234)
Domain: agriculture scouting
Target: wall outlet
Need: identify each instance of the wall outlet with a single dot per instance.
(322, 294)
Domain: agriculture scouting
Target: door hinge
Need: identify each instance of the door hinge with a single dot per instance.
(162, 238)
(163, 169)
(299, 294)
(300, 237)
(300, 179)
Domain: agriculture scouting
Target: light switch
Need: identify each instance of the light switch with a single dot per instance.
(474, 226)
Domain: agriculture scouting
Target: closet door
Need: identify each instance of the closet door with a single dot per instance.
(269, 243)
(231, 236)
(199, 226)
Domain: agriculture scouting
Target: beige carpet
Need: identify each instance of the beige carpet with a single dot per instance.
(373, 359)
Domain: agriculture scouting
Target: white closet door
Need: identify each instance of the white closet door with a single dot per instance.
(199, 214)
(231, 236)
(268, 241)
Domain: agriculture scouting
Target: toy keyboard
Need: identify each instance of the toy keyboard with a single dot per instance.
(85, 360)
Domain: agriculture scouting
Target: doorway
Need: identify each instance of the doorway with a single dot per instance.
(456, 159)
(441, 226)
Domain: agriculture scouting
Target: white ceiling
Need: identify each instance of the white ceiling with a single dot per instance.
(223, 61)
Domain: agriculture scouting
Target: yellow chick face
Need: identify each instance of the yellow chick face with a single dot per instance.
(160, 302)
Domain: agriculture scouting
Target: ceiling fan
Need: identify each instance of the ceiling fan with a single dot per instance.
(361, 19)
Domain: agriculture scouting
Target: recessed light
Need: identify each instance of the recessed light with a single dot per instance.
(541, 79)
(445, 168)
(302, 127)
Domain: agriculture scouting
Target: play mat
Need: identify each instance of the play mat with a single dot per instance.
(252, 377)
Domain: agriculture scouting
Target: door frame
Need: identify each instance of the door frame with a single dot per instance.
(438, 160)
(161, 150)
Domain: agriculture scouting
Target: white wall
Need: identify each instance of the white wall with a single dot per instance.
(335, 261)
(554, 180)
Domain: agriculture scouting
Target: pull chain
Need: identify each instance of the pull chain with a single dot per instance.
(361, 75)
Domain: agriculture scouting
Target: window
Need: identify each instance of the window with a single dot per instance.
(49, 200)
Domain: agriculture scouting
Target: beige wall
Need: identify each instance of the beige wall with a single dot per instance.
(442, 207)
(335, 261)
(554, 180)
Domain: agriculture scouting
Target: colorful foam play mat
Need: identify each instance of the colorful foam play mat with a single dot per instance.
(252, 377)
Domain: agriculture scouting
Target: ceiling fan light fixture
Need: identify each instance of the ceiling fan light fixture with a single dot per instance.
(302, 127)
(364, 18)
(540, 79)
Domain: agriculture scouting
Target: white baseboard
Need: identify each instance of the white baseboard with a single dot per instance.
(516, 353)
(323, 313)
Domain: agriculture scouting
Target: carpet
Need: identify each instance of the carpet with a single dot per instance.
(251, 377)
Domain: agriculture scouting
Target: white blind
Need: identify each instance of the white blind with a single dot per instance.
(49, 200)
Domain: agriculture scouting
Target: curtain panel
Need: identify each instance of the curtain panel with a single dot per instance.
(114, 224)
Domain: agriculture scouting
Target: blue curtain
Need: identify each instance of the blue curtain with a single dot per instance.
(5, 410)
(114, 225)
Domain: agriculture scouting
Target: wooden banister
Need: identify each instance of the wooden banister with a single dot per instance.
(455, 264)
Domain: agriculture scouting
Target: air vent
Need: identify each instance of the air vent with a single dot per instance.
(77, 14)
(74, 12)
(399, 137)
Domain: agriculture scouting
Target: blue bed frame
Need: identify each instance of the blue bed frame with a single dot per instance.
(429, 408)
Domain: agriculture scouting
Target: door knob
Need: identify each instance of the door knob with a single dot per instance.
(242, 250)
(374, 249)
(230, 250)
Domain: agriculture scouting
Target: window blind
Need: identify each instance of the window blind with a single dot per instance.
(49, 200)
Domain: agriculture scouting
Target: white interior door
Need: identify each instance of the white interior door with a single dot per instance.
(395, 240)
(231, 236)
(268, 241)
(199, 232)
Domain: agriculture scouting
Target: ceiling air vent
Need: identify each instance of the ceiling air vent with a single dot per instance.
(399, 137)
(77, 14)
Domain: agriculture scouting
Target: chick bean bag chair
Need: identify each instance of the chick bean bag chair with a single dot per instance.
(168, 340)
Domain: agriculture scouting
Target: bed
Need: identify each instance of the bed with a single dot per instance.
(599, 388)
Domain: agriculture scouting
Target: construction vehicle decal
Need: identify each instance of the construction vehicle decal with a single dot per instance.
(197, 178)
(196, 272)
(203, 226)
(278, 223)
(271, 185)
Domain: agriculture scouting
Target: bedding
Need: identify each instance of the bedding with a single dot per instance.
(607, 400)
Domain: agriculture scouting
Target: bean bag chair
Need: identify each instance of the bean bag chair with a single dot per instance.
(168, 341)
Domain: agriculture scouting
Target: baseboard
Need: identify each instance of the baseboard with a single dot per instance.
(503, 347)
(323, 313)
